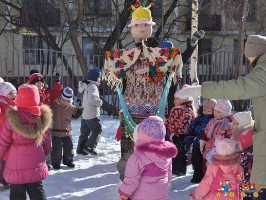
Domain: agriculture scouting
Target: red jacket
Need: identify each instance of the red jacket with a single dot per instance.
(49, 96)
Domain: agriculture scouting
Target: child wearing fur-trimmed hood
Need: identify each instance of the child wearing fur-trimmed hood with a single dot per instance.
(25, 136)
(222, 174)
(150, 162)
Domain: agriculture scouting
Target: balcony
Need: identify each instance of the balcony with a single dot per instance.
(207, 23)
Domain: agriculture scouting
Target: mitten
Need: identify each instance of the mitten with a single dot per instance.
(80, 89)
(193, 197)
(202, 145)
(123, 197)
(79, 103)
(57, 77)
(192, 91)
(118, 133)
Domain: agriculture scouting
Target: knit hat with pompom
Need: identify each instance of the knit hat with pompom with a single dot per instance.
(151, 129)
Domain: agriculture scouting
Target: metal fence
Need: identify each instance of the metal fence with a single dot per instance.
(16, 65)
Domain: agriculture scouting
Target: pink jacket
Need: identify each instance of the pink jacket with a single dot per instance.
(148, 171)
(20, 134)
(5, 104)
(216, 132)
(204, 189)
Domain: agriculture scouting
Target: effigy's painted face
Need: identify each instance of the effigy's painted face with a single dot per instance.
(141, 31)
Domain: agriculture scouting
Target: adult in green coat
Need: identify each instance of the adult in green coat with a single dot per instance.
(253, 86)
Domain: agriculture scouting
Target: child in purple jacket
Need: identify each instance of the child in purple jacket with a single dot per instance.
(25, 136)
(149, 168)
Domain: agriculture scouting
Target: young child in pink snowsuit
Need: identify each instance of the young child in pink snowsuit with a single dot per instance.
(222, 175)
(8, 94)
(181, 115)
(219, 126)
(24, 135)
(242, 132)
(149, 168)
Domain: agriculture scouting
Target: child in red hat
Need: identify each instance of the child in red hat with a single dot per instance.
(47, 96)
(27, 126)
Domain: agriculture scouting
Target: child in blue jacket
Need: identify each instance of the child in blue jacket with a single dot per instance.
(194, 132)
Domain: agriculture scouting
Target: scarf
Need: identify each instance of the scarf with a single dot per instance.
(226, 125)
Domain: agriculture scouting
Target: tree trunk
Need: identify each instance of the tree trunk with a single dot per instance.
(194, 28)
(241, 105)
(194, 57)
(239, 63)
(74, 25)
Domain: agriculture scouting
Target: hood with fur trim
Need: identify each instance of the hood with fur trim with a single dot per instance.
(28, 125)
(157, 152)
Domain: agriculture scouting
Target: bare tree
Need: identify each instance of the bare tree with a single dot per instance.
(242, 29)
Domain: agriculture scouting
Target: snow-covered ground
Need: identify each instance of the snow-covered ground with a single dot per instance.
(96, 177)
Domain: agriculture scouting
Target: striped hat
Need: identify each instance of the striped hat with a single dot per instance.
(67, 93)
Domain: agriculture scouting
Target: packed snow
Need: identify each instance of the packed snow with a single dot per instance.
(96, 177)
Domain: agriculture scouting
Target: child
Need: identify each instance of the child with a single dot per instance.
(242, 133)
(24, 135)
(222, 174)
(194, 132)
(148, 170)
(47, 96)
(219, 126)
(62, 129)
(91, 128)
(8, 94)
(179, 119)
(121, 165)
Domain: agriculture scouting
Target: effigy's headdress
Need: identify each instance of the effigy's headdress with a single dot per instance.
(141, 14)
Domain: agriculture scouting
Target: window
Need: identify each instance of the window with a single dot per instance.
(40, 13)
(236, 51)
(31, 54)
(36, 51)
(93, 55)
(205, 47)
(253, 7)
(157, 9)
(98, 7)
(205, 6)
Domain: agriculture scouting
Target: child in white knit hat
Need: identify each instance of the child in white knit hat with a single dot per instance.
(181, 115)
(242, 133)
(219, 126)
(8, 94)
(222, 174)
